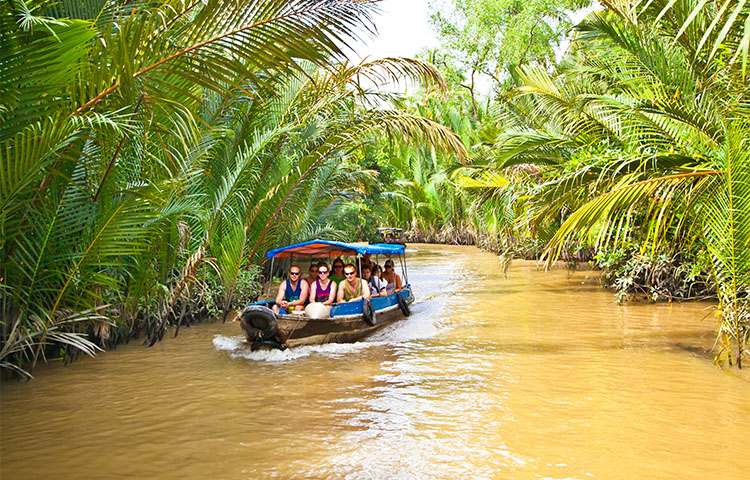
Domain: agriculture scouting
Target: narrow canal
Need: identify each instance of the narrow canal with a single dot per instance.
(537, 375)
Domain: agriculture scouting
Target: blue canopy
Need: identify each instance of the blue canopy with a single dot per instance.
(327, 248)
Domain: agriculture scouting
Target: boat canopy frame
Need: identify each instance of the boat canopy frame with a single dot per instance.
(329, 248)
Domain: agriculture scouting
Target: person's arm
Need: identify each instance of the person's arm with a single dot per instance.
(340, 294)
(313, 292)
(332, 295)
(398, 282)
(280, 297)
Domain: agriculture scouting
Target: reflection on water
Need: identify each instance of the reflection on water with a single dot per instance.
(537, 375)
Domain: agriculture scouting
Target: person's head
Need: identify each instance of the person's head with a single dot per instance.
(376, 270)
(366, 272)
(314, 270)
(350, 272)
(388, 267)
(323, 271)
(338, 266)
(294, 272)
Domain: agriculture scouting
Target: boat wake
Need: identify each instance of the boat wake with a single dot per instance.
(421, 325)
(238, 348)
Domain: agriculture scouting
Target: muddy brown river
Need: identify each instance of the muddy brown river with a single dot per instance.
(537, 375)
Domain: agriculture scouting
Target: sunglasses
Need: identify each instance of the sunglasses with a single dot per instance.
(322, 272)
(389, 266)
(348, 273)
(293, 273)
(338, 266)
(314, 271)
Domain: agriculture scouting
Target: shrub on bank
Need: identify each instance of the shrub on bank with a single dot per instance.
(636, 276)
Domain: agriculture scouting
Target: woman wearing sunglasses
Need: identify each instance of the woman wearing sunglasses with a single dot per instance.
(353, 288)
(312, 275)
(337, 275)
(323, 289)
(390, 276)
(292, 293)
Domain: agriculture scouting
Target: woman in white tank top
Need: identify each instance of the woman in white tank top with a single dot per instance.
(390, 276)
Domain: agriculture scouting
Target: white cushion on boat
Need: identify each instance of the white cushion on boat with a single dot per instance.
(317, 310)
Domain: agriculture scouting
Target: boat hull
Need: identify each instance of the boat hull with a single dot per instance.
(347, 324)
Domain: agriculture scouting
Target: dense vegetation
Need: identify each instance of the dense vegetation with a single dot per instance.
(150, 152)
(631, 151)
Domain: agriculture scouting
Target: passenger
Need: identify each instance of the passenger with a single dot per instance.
(376, 270)
(338, 271)
(292, 293)
(366, 262)
(391, 277)
(353, 288)
(323, 289)
(312, 275)
(377, 285)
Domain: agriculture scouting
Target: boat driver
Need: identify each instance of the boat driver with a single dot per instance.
(353, 288)
(292, 292)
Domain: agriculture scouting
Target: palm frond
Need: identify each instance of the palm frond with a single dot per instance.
(606, 210)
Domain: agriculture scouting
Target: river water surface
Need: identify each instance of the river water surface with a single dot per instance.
(537, 375)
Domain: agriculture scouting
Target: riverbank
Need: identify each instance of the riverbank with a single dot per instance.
(630, 274)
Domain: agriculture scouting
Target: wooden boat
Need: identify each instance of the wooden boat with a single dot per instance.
(348, 322)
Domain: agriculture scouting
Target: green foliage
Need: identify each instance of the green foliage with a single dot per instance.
(492, 38)
(160, 148)
(638, 141)
(633, 275)
(634, 143)
(489, 36)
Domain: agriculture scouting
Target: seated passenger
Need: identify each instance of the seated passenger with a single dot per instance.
(353, 288)
(292, 292)
(312, 275)
(377, 285)
(323, 289)
(338, 271)
(391, 277)
(366, 262)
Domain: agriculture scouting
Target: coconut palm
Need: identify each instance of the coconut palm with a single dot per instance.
(422, 196)
(708, 29)
(655, 136)
(275, 169)
(128, 135)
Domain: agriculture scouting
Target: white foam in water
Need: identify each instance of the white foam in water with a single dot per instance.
(418, 326)
(423, 323)
(239, 349)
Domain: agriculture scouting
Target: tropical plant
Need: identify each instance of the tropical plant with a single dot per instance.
(419, 194)
(488, 39)
(283, 159)
(154, 142)
(641, 142)
(709, 29)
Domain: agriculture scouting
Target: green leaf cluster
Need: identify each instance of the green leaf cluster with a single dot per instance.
(150, 152)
